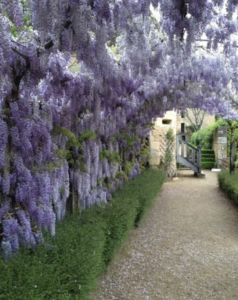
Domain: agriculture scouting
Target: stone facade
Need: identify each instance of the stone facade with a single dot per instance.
(158, 139)
(220, 144)
(208, 119)
(173, 120)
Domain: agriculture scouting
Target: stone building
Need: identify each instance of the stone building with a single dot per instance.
(158, 143)
(176, 121)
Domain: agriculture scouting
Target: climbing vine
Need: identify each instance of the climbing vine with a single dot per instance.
(168, 160)
(60, 130)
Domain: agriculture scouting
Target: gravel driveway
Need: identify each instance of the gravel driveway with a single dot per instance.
(185, 248)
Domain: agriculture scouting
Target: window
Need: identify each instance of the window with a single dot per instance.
(182, 127)
(166, 121)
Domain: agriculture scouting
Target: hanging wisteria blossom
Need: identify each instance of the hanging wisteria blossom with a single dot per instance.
(80, 82)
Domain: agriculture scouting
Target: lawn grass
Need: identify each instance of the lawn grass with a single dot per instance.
(68, 265)
(229, 184)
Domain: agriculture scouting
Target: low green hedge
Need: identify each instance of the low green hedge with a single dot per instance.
(208, 164)
(207, 158)
(229, 184)
(68, 266)
(204, 137)
(211, 156)
(207, 151)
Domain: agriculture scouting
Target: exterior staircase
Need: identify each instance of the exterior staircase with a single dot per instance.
(188, 155)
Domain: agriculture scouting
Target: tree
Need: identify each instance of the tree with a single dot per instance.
(55, 125)
(196, 120)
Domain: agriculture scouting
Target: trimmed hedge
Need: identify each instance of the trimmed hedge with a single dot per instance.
(207, 151)
(207, 158)
(208, 164)
(228, 183)
(68, 266)
(204, 137)
(210, 155)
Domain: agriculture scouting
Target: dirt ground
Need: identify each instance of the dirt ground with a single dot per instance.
(185, 248)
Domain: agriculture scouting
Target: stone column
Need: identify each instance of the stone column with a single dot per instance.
(158, 140)
(220, 144)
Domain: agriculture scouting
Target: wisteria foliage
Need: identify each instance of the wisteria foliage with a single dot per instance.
(69, 139)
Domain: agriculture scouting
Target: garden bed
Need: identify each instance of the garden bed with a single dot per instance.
(68, 266)
(228, 183)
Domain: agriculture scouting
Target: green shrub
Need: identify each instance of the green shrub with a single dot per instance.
(146, 192)
(68, 265)
(204, 137)
(229, 184)
(208, 164)
(120, 215)
(207, 152)
(129, 207)
(208, 158)
(211, 156)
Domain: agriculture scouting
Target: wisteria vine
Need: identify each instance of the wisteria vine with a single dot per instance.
(69, 139)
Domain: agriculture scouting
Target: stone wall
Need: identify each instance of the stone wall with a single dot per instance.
(158, 139)
(220, 144)
(172, 119)
(208, 119)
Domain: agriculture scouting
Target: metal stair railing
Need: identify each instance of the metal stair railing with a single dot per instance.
(188, 155)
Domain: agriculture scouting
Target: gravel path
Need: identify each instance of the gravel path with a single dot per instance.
(185, 248)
